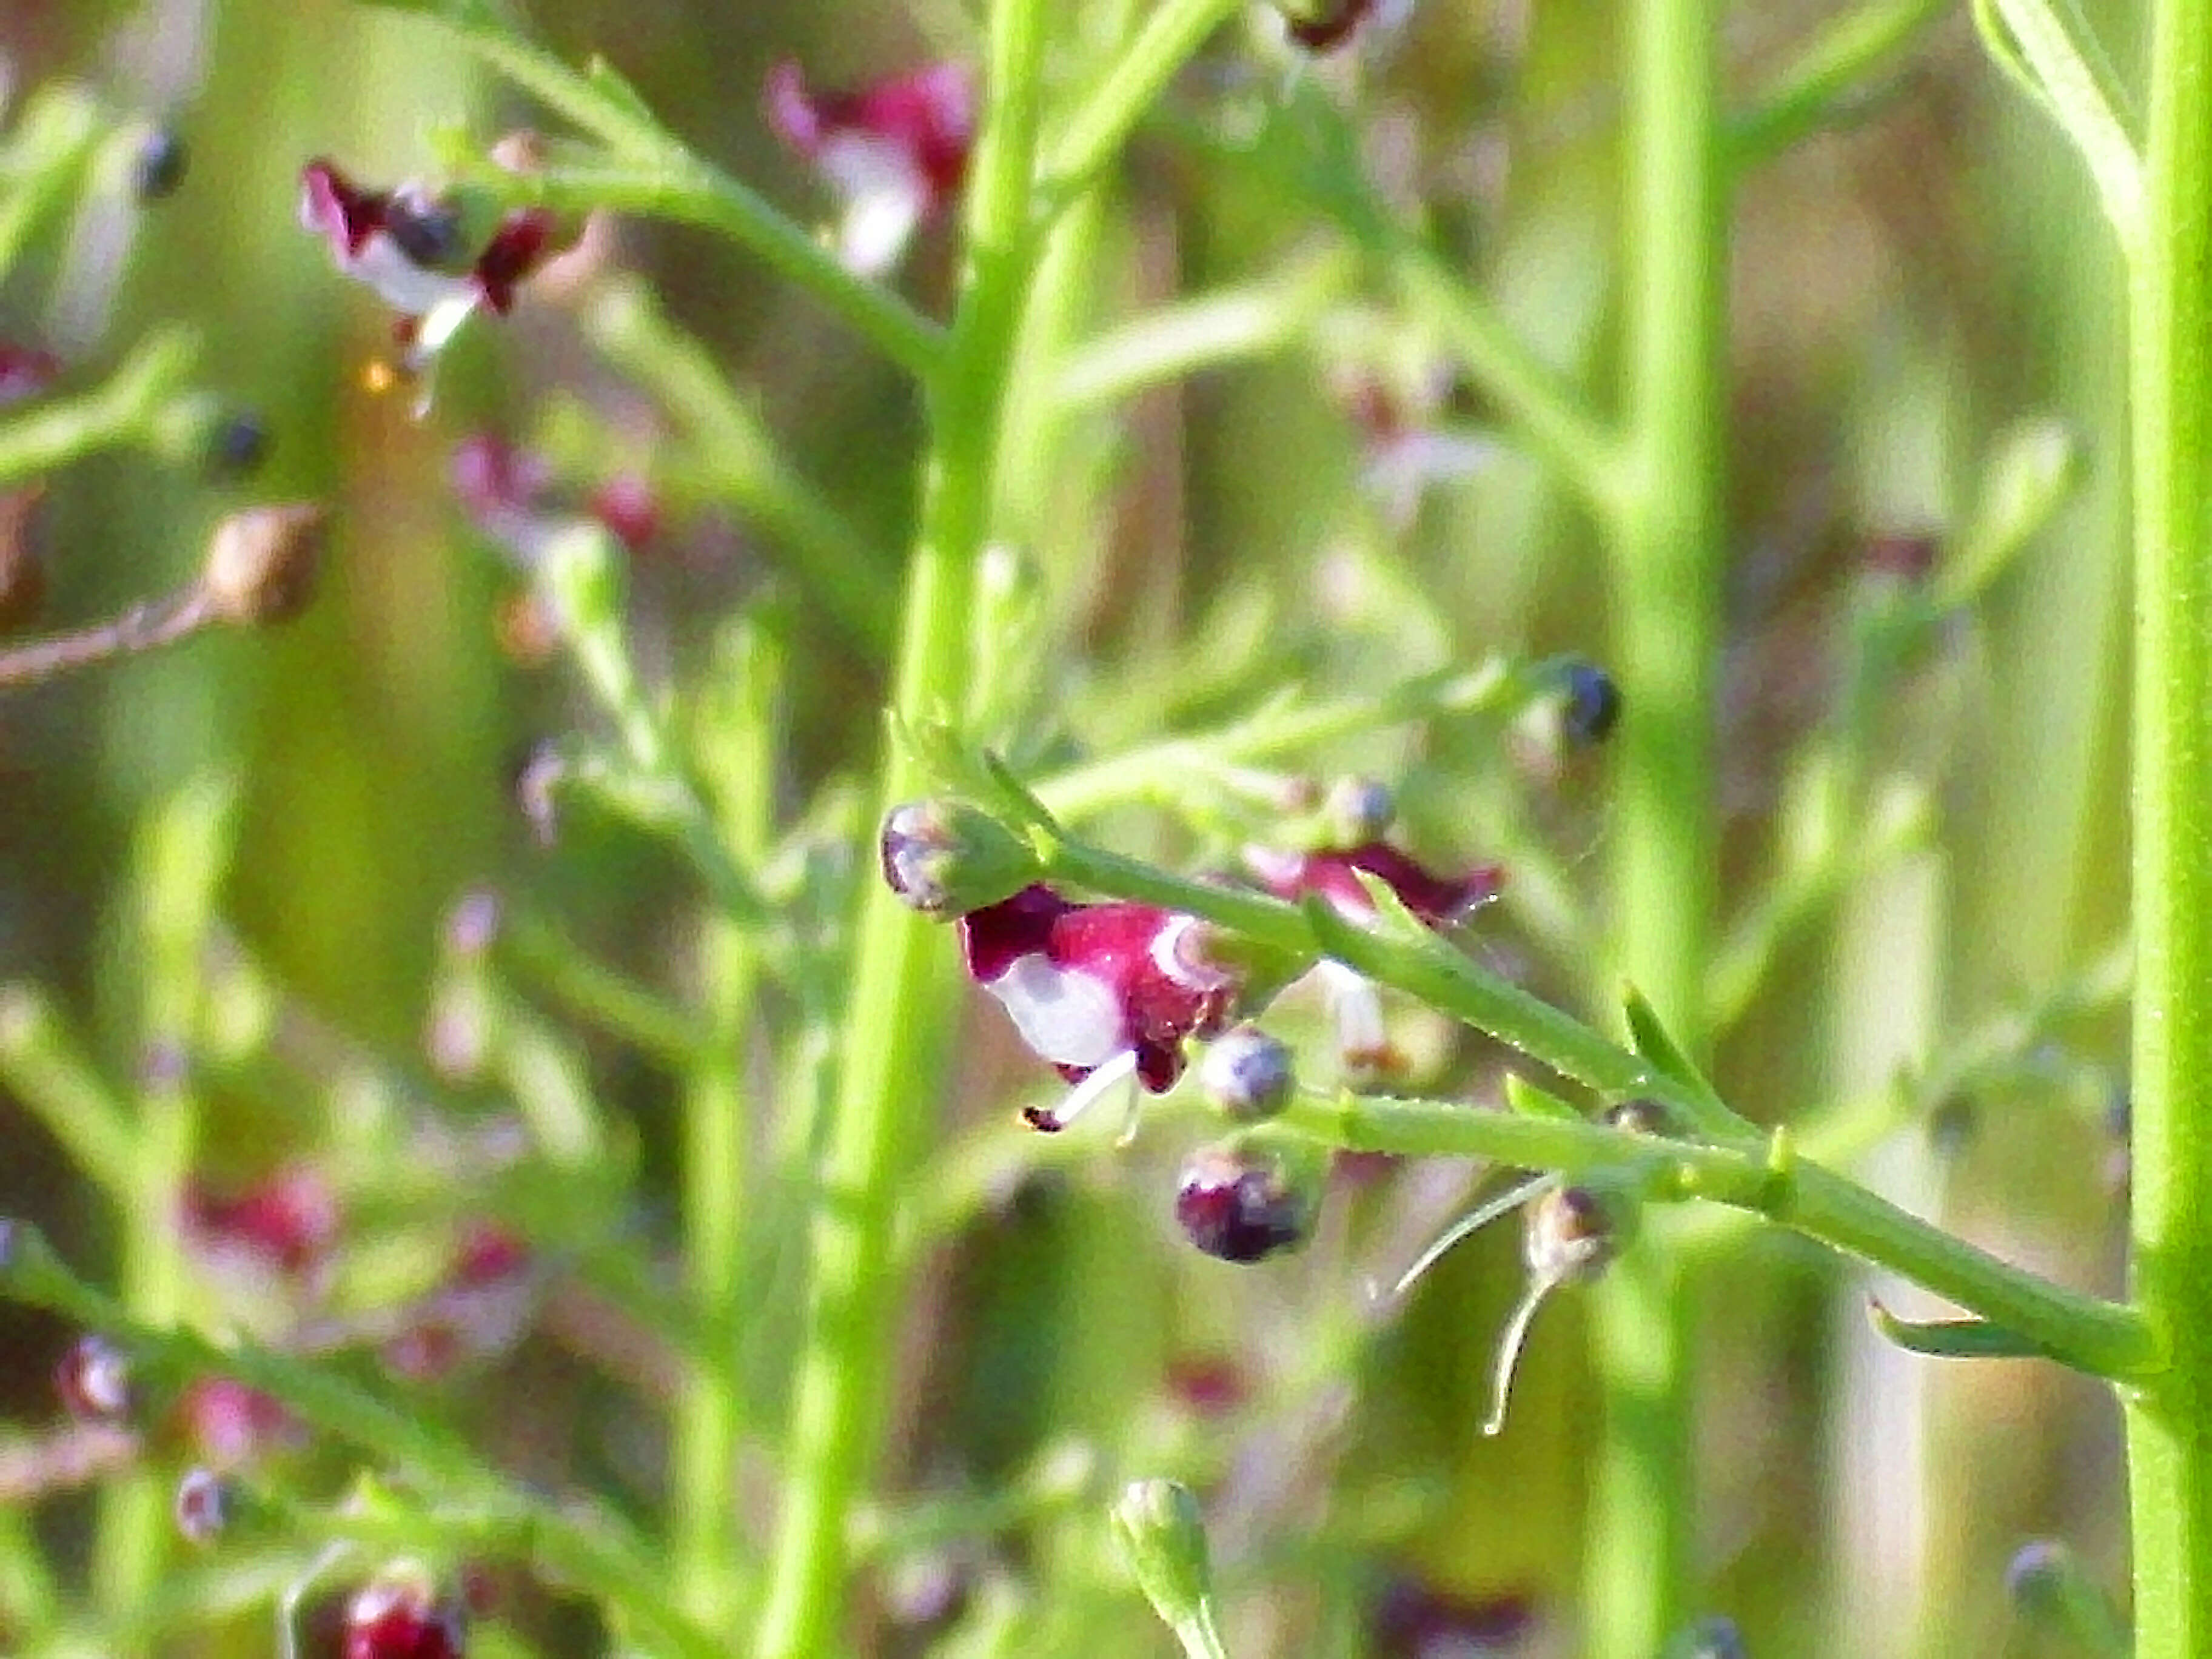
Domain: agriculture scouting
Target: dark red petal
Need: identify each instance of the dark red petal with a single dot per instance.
(994, 937)
(522, 243)
(333, 204)
(1431, 897)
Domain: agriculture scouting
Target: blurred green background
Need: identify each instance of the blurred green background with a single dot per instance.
(1906, 286)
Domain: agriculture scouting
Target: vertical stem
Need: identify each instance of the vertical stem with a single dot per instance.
(181, 862)
(890, 1055)
(1668, 554)
(2170, 367)
(737, 759)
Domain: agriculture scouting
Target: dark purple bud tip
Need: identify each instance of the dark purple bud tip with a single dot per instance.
(237, 447)
(157, 171)
(204, 1505)
(946, 859)
(1248, 1074)
(1640, 1117)
(1245, 1201)
(93, 1380)
(1715, 1636)
(1593, 705)
(1360, 809)
(1325, 25)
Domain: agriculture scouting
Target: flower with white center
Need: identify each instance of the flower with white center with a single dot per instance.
(1363, 1039)
(1103, 992)
(432, 258)
(894, 152)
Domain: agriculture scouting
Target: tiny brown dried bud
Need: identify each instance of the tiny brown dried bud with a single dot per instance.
(22, 571)
(261, 563)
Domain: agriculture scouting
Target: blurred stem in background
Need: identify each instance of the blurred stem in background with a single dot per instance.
(2170, 1422)
(1668, 551)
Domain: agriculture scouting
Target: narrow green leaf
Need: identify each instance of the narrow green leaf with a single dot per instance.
(1649, 1035)
(1953, 1339)
(479, 16)
(1524, 1097)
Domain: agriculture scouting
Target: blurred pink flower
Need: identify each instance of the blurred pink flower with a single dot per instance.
(894, 152)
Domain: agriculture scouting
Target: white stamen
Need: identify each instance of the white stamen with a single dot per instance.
(1363, 1040)
(1121, 1069)
(1065, 1016)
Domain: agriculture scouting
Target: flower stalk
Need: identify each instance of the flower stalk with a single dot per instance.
(2169, 1422)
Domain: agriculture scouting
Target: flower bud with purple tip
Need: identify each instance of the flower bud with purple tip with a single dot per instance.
(1255, 1196)
(947, 858)
(1248, 1074)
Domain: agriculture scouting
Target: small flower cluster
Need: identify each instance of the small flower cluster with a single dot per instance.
(894, 153)
(1111, 994)
(436, 259)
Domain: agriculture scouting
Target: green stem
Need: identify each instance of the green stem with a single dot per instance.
(664, 178)
(2105, 1338)
(893, 1025)
(1837, 70)
(181, 860)
(124, 410)
(2170, 364)
(1088, 144)
(1666, 556)
(737, 753)
(1542, 409)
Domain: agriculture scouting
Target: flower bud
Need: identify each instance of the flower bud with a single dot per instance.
(1571, 1236)
(1248, 1074)
(1714, 1636)
(1323, 26)
(1639, 1116)
(205, 1504)
(2054, 1594)
(157, 170)
(398, 1615)
(261, 563)
(1162, 1543)
(93, 1380)
(237, 445)
(22, 570)
(1592, 708)
(1358, 811)
(1252, 1197)
(947, 858)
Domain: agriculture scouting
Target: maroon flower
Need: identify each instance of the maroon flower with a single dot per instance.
(1332, 872)
(426, 254)
(510, 493)
(400, 1615)
(1362, 1041)
(289, 1221)
(894, 152)
(25, 373)
(1101, 991)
